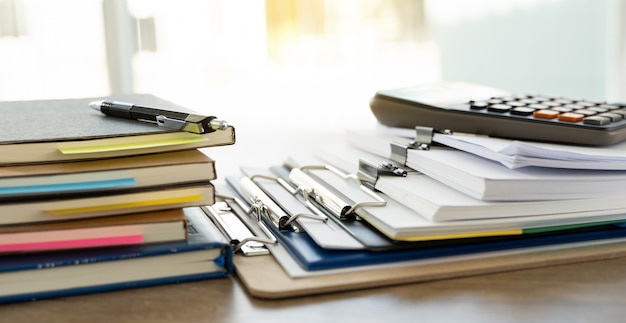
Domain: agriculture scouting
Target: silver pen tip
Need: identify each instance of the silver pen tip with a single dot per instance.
(218, 124)
(95, 105)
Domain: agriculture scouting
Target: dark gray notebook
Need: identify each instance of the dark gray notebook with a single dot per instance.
(59, 120)
(35, 131)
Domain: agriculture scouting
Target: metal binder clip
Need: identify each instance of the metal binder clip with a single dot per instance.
(369, 172)
(266, 207)
(236, 229)
(289, 218)
(422, 141)
(338, 204)
(246, 242)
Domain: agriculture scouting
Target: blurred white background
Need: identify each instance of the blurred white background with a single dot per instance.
(301, 66)
(267, 60)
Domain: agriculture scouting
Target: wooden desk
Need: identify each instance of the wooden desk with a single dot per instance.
(586, 292)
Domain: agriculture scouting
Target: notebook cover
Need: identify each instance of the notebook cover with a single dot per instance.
(52, 130)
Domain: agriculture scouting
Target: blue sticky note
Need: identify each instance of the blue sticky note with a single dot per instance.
(68, 187)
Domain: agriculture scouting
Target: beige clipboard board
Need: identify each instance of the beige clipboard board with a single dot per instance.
(263, 277)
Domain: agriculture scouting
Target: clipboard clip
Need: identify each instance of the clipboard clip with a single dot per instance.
(340, 206)
(278, 216)
(423, 141)
(237, 229)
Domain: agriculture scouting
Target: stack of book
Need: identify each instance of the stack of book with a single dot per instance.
(90, 202)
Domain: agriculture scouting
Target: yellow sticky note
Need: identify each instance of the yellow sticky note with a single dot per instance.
(131, 146)
(127, 205)
(510, 232)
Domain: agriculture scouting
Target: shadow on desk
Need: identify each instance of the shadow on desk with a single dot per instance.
(587, 292)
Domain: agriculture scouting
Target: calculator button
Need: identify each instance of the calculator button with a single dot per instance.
(529, 101)
(571, 117)
(598, 109)
(516, 103)
(613, 116)
(478, 105)
(562, 101)
(562, 109)
(551, 103)
(586, 103)
(622, 112)
(574, 106)
(499, 108)
(495, 101)
(538, 106)
(545, 114)
(508, 98)
(597, 120)
(586, 112)
(522, 111)
(609, 106)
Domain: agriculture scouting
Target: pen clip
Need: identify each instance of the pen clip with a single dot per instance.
(193, 123)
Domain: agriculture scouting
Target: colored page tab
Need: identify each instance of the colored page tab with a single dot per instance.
(73, 243)
(572, 226)
(127, 205)
(464, 235)
(68, 187)
(132, 146)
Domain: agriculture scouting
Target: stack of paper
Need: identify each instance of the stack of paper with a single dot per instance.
(83, 194)
(484, 179)
(350, 217)
(515, 153)
(344, 232)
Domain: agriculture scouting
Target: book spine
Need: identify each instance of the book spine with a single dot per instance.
(112, 287)
(37, 261)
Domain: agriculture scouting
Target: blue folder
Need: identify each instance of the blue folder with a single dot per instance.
(312, 257)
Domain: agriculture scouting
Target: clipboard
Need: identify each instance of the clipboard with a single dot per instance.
(265, 274)
(263, 277)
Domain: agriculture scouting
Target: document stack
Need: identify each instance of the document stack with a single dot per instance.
(90, 202)
(375, 211)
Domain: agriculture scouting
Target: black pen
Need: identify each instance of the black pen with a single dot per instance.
(168, 119)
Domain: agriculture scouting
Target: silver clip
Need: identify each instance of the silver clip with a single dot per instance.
(245, 242)
(369, 172)
(324, 196)
(267, 207)
(193, 123)
(289, 188)
(422, 141)
(235, 230)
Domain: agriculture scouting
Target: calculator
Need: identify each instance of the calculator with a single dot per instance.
(478, 109)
